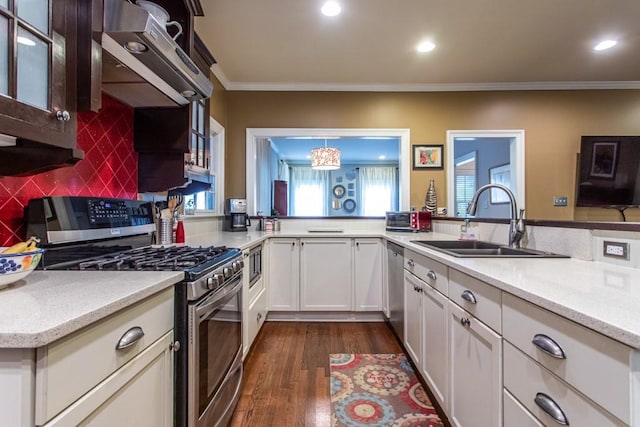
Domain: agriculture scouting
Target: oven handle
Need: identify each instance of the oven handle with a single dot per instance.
(217, 299)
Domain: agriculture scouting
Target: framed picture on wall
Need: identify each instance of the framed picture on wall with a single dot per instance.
(499, 175)
(428, 157)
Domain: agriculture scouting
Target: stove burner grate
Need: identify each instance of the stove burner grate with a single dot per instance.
(172, 258)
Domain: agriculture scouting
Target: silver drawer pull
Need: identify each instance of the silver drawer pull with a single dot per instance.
(432, 275)
(552, 409)
(465, 321)
(410, 263)
(549, 346)
(130, 337)
(469, 297)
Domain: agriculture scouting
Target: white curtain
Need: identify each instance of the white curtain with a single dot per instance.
(379, 190)
(263, 176)
(308, 193)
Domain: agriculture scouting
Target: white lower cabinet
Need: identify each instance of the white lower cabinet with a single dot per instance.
(117, 371)
(517, 415)
(138, 394)
(413, 317)
(284, 274)
(368, 262)
(435, 348)
(256, 315)
(475, 371)
(551, 400)
(326, 281)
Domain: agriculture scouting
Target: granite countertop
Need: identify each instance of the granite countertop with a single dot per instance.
(601, 296)
(47, 305)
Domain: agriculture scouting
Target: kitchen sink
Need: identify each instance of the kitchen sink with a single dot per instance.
(480, 249)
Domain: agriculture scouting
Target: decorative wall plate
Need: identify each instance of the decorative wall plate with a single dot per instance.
(339, 191)
(349, 205)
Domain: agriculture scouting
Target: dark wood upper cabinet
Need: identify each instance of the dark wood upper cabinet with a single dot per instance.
(173, 144)
(37, 89)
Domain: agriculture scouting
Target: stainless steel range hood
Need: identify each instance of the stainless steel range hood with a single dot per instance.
(142, 65)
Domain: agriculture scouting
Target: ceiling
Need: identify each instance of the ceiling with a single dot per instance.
(480, 44)
(297, 151)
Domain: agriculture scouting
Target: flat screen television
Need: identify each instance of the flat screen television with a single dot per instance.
(609, 171)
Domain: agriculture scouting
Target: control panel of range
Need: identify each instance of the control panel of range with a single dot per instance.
(102, 211)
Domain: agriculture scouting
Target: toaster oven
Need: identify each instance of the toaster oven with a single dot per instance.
(408, 221)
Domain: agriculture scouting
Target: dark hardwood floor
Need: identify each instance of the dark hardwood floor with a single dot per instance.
(286, 374)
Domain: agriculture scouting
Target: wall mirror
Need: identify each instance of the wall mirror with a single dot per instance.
(373, 174)
(479, 157)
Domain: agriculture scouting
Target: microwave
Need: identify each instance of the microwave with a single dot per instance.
(408, 221)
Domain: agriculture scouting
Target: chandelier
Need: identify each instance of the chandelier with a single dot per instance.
(325, 158)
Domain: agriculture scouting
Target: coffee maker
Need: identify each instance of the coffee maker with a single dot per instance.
(235, 215)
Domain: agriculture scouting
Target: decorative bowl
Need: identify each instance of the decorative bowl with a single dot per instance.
(14, 267)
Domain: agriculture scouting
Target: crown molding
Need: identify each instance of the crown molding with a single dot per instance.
(221, 76)
(419, 87)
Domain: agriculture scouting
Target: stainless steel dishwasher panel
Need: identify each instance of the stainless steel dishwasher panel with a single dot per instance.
(395, 256)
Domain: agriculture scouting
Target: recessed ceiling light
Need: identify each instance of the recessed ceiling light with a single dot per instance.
(605, 44)
(331, 8)
(425, 46)
(382, 157)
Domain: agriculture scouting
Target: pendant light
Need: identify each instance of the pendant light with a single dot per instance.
(325, 158)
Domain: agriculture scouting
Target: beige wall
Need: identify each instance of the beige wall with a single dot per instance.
(553, 122)
(218, 101)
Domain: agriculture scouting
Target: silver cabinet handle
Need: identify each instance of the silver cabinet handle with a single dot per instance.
(549, 346)
(417, 289)
(552, 409)
(465, 321)
(174, 346)
(258, 317)
(432, 275)
(469, 297)
(410, 263)
(130, 337)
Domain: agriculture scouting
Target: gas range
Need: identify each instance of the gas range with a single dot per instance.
(101, 234)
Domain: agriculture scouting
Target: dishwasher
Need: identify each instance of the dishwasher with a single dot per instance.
(395, 257)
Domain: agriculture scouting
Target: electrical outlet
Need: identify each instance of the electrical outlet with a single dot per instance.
(560, 200)
(615, 249)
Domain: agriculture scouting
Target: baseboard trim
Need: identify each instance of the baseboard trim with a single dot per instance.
(325, 316)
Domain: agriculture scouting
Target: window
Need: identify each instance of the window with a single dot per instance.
(465, 182)
(379, 193)
(308, 192)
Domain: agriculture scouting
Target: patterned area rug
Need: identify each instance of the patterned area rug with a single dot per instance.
(378, 390)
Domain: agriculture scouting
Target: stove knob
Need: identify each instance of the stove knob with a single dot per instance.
(215, 281)
(236, 266)
(227, 271)
(241, 262)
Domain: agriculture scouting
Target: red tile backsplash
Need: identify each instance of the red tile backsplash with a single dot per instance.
(109, 168)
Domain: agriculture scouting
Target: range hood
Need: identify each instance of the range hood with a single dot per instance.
(142, 65)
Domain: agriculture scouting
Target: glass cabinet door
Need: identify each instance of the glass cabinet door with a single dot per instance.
(200, 144)
(27, 36)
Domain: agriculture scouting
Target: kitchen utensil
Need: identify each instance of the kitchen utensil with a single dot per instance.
(160, 15)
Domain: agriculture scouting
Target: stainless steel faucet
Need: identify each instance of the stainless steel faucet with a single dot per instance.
(517, 228)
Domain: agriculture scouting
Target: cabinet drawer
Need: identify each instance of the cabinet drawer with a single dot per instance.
(257, 316)
(464, 290)
(528, 381)
(68, 368)
(597, 366)
(432, 272)
(515, 414)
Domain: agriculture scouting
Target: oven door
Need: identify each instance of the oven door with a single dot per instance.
(215, 355)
